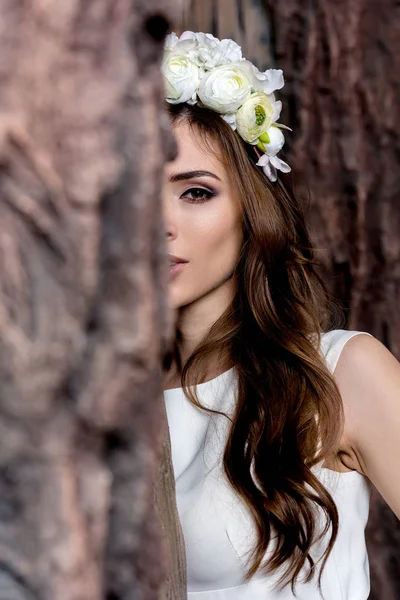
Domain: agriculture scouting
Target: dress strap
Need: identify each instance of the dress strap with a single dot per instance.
(333, 342)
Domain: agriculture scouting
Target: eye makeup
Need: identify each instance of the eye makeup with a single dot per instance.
(199, 195)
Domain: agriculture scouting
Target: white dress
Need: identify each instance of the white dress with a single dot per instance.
(217, 527)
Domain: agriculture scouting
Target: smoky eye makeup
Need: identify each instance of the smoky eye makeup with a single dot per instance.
(198, 195)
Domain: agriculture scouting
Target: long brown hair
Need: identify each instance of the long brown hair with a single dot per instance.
(289, 413)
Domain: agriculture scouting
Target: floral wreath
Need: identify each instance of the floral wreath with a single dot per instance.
(200, 68)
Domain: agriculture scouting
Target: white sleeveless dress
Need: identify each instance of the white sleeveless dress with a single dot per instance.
(217, 527)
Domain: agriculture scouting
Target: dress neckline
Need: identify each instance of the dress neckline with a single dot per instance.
(204, 384)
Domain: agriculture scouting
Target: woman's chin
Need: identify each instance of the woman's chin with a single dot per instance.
(175, 300)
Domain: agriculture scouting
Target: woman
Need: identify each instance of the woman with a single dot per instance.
(279, 421)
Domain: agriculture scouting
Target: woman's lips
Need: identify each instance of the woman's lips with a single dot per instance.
(176, 268)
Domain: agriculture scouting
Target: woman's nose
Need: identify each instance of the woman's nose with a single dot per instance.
(169, 217)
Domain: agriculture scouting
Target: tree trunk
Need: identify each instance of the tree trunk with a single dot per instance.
(83, 317)
(341, 62)
(342, 100)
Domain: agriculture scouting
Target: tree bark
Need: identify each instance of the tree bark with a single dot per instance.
(341, 62)
(83, 317)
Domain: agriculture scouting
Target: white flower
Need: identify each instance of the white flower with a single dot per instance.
(273, 141)
(225, 88)
(205, 46)
(230, 118)
(181, 78)
(170, 41)
(186, 46)
(226, 52)
(203, 39)
(210, 51)
(270, 164)
(199, 66)
(268, 81)
(277, 107)
(254, 117)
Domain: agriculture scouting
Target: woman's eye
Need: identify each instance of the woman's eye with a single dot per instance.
(198, 195)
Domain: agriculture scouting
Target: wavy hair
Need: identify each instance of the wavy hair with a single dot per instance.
(288, 413)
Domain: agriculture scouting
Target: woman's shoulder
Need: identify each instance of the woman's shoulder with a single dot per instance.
(333, 342)
(368, 378)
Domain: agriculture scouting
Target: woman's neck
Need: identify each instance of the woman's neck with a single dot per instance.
(196, 319)
(194, 322)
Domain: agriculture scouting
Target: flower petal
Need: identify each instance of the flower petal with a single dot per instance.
(170, 41)
(231, 119)
(224, 89)
(280, 164)
(187, 35)
(277, 141)
(271, 172)
(263, 160)
(270, 80)
(281, 126)
(228, 51)
(254, 117)
(276, 113)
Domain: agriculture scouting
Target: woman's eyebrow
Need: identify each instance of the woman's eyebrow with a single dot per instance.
(191, 175)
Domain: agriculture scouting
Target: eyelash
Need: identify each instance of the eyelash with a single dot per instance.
(206, 195)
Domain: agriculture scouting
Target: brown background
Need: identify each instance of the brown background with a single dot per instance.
(341, 61)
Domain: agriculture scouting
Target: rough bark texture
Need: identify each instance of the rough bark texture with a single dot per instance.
(174, 587)
(83, 317)
(341, 61)
(342, 96)
(342, 99)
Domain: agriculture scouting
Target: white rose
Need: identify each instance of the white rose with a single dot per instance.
(254, 117)
(225, 88)
(181, 78)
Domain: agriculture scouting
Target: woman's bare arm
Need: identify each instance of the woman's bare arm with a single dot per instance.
(368, 377)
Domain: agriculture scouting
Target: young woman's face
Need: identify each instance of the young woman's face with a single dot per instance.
(203, 221)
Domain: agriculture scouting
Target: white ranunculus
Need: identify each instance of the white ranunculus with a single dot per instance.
(181, 78)
(273, 142)
(276, 141)
(225, 88)
(254, 117)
